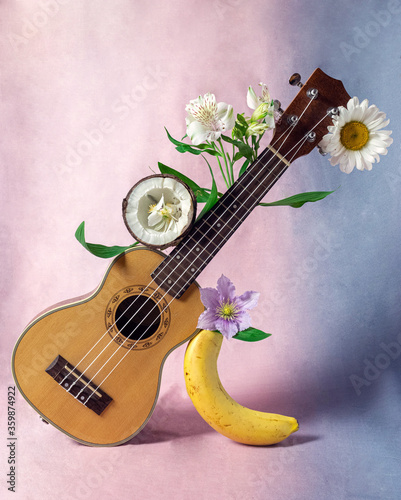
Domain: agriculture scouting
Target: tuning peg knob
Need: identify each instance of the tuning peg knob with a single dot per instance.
(277, 107)
(295, 80)
(323, 153)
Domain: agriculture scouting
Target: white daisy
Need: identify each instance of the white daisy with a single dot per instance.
(356, 138)
(207, 120)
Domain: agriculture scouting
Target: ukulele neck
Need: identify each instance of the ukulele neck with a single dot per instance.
(182, 266)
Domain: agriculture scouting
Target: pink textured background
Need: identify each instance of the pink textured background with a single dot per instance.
(67, 68)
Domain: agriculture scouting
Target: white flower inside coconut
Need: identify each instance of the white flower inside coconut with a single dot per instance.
(159, 210)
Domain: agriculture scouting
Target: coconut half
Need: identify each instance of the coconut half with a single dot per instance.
(159, 210)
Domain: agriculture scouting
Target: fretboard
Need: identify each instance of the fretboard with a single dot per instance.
(182, 266)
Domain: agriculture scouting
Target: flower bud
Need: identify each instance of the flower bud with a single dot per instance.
(256, 128)
(260, 112)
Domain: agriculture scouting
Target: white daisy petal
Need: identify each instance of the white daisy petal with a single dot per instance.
(352, 103)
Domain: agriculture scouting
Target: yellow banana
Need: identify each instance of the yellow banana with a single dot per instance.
(216, 406)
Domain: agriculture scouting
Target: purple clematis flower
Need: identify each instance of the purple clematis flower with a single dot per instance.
(224, 311)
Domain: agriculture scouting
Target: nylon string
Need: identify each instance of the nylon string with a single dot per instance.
(231, 230)
(300, 143)
(248, 172)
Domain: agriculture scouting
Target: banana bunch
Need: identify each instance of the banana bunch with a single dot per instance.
(216, 406)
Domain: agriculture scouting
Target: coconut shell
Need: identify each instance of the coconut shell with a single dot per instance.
(185, 230)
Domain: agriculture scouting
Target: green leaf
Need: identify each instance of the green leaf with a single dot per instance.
(182, 147)
(185, 148)
(238, 155)
(174, 141)
(219, 195)
(212, 152)
(298, 200)
(244, 167)
(213, 196)
(251, 335)
(99, 250)
(242, 147)
(238, 131)
(200, 193)
(242, 121)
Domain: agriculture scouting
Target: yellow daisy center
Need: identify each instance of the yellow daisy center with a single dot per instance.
(354, 135)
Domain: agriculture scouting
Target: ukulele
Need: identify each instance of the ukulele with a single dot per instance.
(92, 367)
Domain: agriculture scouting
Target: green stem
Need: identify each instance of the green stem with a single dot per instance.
(225, 161)
(232, 165)
(222, 173)
(255, 152)
(213, 145)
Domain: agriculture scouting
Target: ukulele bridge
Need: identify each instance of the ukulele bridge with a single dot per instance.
(79, 386)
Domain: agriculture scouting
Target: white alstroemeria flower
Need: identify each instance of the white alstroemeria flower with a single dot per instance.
(356, 137)
(207, 120)
(263, 105)
(163, 216)
(253, 100)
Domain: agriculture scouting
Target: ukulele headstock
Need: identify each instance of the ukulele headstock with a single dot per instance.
(303, 124)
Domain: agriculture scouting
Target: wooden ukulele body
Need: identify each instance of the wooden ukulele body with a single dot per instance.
(83, 333)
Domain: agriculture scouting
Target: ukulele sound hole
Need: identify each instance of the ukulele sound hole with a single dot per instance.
(137, 317)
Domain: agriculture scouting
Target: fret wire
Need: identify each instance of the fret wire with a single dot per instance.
(271, 156)
(211, 241)
(191, 237)
(183, 259)
(270, 173)
(236, 198)
(227, 209)
(213, 213)
(202, 247)
(181, 289)
(254, 202)
(240, 220)
(231, 231)
(276, 178)
(211, 226)
(187, 283)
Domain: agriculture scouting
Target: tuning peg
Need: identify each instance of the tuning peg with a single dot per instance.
(295, 80)
(277, 107)
(323, 153)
